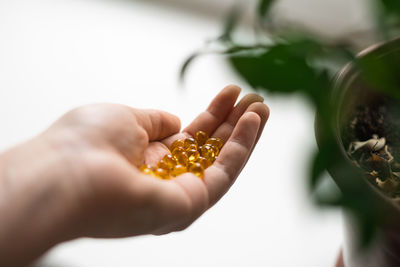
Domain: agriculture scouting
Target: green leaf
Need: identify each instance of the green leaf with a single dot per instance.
(391, 6)
(368, 231)
(282, 68)
(320, 164)
(366, 215)
(230, 24)
(186, 65)
(264, 7)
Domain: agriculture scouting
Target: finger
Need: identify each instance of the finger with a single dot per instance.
(226, 128)
(157, 124)
(263, 112)
(216, 112)
(233, 156)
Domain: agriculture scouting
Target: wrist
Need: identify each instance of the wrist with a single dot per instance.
(36, 207)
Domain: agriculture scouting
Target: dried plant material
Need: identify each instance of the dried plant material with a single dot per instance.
(390, 157)
(374, 157)
(389, 185)
(373, 144)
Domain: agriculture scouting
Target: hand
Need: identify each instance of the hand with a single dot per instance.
(81, 177)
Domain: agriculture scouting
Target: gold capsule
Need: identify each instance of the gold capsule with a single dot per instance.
(169, 160)
(178, 170)
(216, 150)
(189, 141)
(205, 163)
(162, 173)
(182, 158)
(193, 154)
(176, 143)
(188, 155)
(147, 169)
(208, 152)
(201, 138)
(163, 165)
(192, 146)
(196, 169)
(178, 150)
(215, 141)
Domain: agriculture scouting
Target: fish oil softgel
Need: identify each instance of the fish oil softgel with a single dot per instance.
(186, 155)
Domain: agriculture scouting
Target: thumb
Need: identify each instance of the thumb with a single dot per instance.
(158, 124)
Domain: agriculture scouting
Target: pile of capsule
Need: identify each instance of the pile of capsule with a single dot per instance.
(187, 155)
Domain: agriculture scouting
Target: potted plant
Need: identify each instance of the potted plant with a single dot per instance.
(366, 126)
(356, 125)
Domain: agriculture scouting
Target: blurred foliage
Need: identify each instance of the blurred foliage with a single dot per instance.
(263, 7)
(299, 62)
(390, 7)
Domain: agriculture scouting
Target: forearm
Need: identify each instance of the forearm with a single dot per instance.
(34, 214)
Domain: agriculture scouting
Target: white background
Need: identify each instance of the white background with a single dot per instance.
(56, 55)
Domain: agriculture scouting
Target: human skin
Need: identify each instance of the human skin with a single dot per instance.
(81, 177)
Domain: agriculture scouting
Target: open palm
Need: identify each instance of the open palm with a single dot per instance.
(116, 199)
